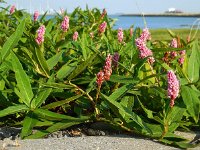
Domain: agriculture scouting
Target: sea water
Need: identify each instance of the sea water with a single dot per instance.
(154, 22)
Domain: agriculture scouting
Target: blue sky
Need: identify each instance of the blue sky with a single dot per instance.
(112, 6)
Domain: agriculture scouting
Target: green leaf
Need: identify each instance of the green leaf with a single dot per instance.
(57, 126)
(66, 69)
(191, 101)
(54, 60)
(44, 123)
(60, 103)
(44, 69)
(40, 97)
(13, 109)
(133, 120)
(23, 81)
(80, 68)
(174, 117)
(193, 63)
(53, 116)
(147, 111)
(171, 33)
(84, 45)
(57, 85)
(122, 79)
(12, 40)
(28, 124)
(120, 91)
(177, 141)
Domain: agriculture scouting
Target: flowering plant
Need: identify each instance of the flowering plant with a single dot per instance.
(54, 77)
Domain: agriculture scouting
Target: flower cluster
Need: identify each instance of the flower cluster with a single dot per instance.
(115, 59)
(36, 15)
(65, 24)
(173, 87)
(107, 67)
(75, 36)
(40, 35)
(106, 73)
(120, 35)
(12, 9)
(182, 57)
(131, 32)
(103, 13)
(174, 44)
(144, 51)
(100, 78)
(102, 27)
(171, 55)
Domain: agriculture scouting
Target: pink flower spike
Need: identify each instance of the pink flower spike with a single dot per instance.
(102, 27)
(131, 32)
(173, 54)
(173, 87)
(120, 35)
(12, 9)
(100, 78)
(107, 67)
(145, 34)
(75, 36)
(115, 59)
(65, 24)
(103, 13)
(36, 15)
(181, 60)
(174, 43)
(40, 35)
(182, 53)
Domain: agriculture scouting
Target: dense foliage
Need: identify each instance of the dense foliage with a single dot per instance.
(74, 68)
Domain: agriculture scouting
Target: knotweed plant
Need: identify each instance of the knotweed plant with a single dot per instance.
(36, 15)
(12, 9)
(120, 35)
(54, 76)
(65, 24)
(144, 51)
(102, 27)
(75, 36)
(173, 87)
(40, 35)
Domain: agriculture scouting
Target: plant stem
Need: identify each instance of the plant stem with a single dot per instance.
(83, 92)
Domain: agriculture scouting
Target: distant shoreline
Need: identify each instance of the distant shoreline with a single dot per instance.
(165, 15)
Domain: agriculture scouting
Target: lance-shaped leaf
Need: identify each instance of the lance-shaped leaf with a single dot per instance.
(133, 120)
(194, 63)
(191, 101)
(13, 109)
(12, 40)
(52, 115)
(41, 97)
(57, 126)
(28, 124)
(54, 60)
(80, 68)
(23, 81)
(41, 62)
(66, 69)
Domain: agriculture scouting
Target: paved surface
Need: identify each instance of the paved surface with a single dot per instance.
(121, 142)
(118, 142)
